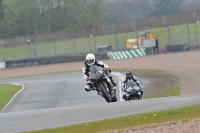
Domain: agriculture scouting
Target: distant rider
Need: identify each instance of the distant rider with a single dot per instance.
(90, 60)
(129, 76)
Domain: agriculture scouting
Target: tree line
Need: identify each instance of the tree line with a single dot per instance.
(30, 17)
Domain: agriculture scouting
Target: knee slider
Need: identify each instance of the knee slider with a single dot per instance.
(87, 88)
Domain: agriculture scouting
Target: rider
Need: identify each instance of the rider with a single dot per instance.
(129, 76)
(90, 60)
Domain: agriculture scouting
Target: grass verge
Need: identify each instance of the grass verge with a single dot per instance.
(131, 121)
(7, 91)
(161, 84)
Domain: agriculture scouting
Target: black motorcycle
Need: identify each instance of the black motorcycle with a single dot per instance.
(132, 91)
(100, 82)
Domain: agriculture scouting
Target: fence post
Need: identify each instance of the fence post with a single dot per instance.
(74, 45)
(28, 41)
(54, 42)
(188, 33)
(136, 35)
(195, 31)
(116, 40)
(90, 43)
(33, 42)
(5, 45)
(169, 37)
(95, 43)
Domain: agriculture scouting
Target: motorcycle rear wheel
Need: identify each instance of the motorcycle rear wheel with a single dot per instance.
(133, 97)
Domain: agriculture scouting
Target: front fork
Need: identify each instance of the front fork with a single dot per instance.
(107, 84)
(111, 89)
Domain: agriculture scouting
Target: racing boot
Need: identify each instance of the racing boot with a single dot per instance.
(112, 81)
(124, 97)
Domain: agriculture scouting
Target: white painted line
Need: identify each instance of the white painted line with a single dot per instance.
(115, 58)
(124, 54)
(15, 84)
(142, 50)
(121, 56)
(139, 52)
(13, 96)
(116, 55)
(130, 56)
(109, 56)
(133, 52)
(119, 77)
(120, 90)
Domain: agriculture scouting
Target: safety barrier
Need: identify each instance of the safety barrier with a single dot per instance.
(127, 54)
(2, 65)
(50, 60)
(176, 48)
(73, 58)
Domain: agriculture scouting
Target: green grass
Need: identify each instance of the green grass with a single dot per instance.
(7, 91)
(170, 86)
(137, 71)
(179, 114)
(179, 35)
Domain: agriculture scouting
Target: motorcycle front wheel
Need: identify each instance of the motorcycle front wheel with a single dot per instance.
(104, 93)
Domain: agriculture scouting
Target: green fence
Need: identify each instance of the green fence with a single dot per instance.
(173, 35)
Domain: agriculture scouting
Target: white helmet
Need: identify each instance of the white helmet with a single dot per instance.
(90, 59)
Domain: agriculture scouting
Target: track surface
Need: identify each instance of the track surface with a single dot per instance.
(49, 118)
(185, 65)
(52, 91)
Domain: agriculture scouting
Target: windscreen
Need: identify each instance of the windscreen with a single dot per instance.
(130, 84)
(94, 69)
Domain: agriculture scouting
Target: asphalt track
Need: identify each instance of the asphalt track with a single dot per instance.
(52, 91)
(60, 99)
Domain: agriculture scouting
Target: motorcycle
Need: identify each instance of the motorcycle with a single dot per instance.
(99, 79)
(131, 91)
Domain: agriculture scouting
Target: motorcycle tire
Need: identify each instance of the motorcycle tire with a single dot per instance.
(104, 93)
(114, 99)
(133, 97)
